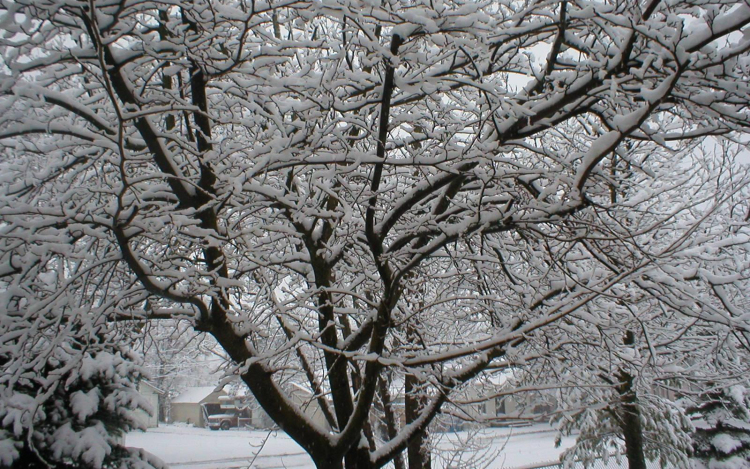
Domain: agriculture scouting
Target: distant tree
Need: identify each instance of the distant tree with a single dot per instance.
(175, 357)
(621, 392)
(347, 194)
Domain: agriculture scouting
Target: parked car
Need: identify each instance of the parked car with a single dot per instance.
(227, 420)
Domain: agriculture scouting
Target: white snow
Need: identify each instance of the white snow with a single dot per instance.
(507, 448)
(84, 404)
(184, 447)
(725, 443)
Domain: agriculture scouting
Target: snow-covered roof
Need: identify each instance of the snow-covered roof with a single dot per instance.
(194, 395)
(149, 384)
(299, 387)
(235, 387)
(499, 379)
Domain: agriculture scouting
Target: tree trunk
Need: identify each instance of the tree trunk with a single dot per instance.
(358, 456)
(390, 420)
(329, 464)
(418, 450)
(630, 416)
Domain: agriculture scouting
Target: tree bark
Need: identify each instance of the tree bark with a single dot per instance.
(418, 450)
(329, 464)
(630, 420)
(390, 420)
(630, 415)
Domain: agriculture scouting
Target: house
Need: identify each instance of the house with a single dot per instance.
(493, 400)
(152, 395)
(189, 406)
(304, 398)
(239, 397)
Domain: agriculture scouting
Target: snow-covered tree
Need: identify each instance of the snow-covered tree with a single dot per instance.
(71, 397)
(722, 428)
(635, 354)
(348, 193)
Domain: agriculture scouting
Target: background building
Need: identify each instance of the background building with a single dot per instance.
(187, 407)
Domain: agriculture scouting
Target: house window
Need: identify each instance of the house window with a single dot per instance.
(500, 406)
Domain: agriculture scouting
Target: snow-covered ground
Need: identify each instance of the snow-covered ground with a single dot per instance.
(197, 448)
(184, 447)
(497, 448)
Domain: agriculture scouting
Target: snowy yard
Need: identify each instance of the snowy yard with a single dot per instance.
(197, 448)
(200, 448)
